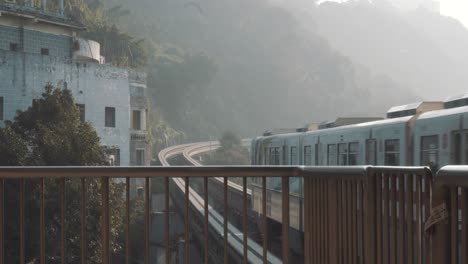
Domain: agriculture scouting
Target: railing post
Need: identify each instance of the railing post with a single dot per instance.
(307, 203)
(441, 243)
(370, 215)
(105, 219)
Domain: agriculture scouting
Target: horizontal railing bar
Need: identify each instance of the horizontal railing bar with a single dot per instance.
(453, 176)
(184, 171)
(400, 169)
(143, 172)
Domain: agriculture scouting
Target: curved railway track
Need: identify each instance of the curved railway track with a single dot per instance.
(216, 220)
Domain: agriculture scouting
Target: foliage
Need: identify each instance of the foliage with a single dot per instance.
(230, 152)
(117, 47)
(179, 88)
(50, 133)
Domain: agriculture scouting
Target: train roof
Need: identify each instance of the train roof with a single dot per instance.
(456, 97)
(444, 112)
(390, 121)
(404, 107)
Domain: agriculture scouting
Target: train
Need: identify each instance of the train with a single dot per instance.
(431, 134)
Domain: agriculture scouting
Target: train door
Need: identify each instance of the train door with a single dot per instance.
(371, 152)
(459, 148)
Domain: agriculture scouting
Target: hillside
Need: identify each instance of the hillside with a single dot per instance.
(270, 70)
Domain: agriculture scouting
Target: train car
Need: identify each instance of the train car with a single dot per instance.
(441, 138)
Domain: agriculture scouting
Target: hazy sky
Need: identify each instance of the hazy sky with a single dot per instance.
(455, 8)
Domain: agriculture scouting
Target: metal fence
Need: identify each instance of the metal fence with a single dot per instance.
(351, 214)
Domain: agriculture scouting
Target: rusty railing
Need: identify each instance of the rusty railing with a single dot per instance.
(351, 214)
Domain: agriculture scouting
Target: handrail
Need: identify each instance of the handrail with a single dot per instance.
(453, 176)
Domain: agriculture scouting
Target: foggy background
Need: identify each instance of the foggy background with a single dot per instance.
(251, 65)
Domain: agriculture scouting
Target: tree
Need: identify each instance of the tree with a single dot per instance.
(230, 152)
(50, 133)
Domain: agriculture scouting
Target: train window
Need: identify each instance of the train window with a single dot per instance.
(277, 156)
(342, 154)
(371, 152)
(274, 156)
(331, 154)
(293, 156)
(353, 153)
(307, 155)
(430, 151)
(392, 152)
(265, 156)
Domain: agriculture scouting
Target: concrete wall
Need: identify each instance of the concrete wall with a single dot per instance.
(23, 77)
(34, 41)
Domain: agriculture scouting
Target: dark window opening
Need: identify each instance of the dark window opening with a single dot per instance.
(140, 157)
(81, 108)
(342, 154)
(1, 108)
(137, 120)
(110, 117)
(392, 152)
(14, 47)
(430, 151)
(45, 51)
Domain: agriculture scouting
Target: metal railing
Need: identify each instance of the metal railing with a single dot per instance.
(351, 214)
(449, 229)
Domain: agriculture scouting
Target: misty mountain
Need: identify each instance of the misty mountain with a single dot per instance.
(271, 69)
(419, 49)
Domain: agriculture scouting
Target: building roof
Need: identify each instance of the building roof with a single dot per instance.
(39, 15)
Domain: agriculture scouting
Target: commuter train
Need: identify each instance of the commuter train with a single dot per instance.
(432, 134)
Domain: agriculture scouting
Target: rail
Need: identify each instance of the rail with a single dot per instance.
(352, 214)
(449, 230)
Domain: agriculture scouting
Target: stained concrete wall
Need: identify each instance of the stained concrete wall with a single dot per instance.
(24, 75)
(34, 41)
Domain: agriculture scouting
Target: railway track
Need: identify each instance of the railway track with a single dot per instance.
(216, 220)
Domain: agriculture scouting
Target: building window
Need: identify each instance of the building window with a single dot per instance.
(1, 108)
(136, 120)
(307, 155)
(353, 154)
(293, 156)
(14, 47)
(110, 117)
(81, 108)
(392, 152)
(342, 154)
(430, 151)
(113, 156)
(140, 157)
(331, 154)
(45, 52)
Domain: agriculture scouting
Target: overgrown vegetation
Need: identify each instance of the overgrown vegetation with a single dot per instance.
(230, 152)
(50, 133)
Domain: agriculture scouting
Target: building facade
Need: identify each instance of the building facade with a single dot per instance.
(38, 47)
